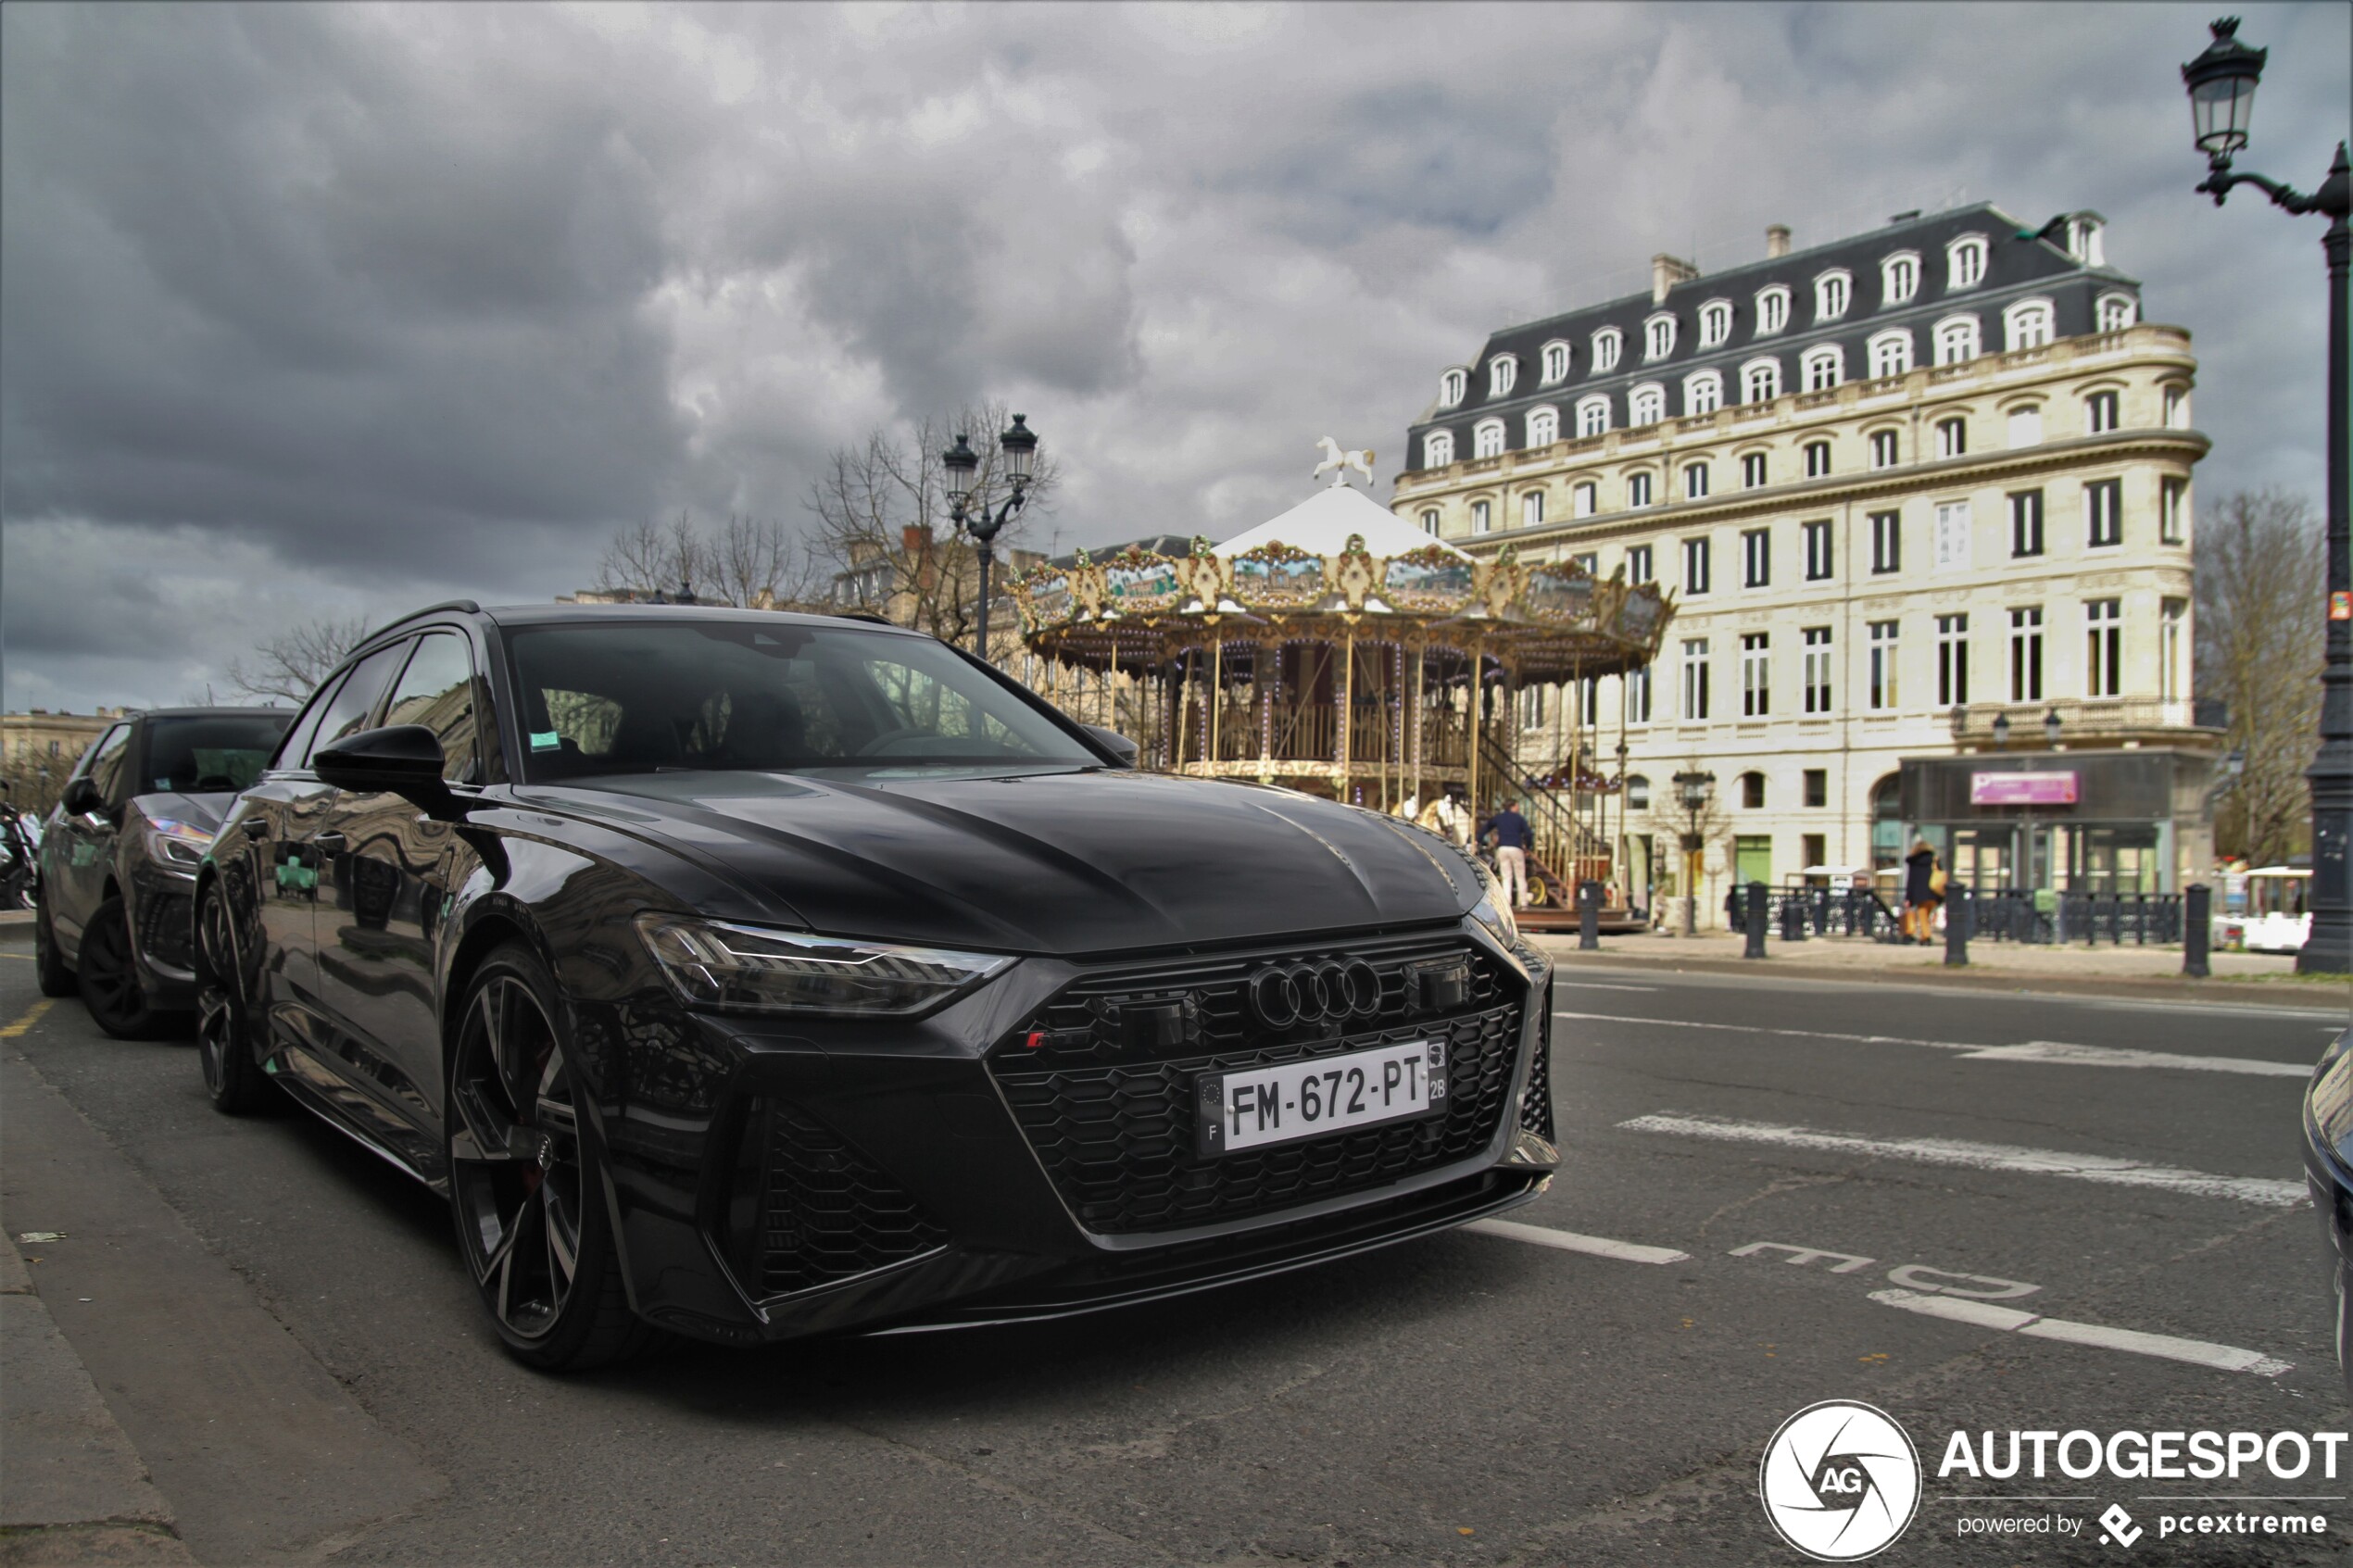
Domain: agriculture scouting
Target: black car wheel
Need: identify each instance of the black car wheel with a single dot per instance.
(110, 987)
(224, 1032)
(524, 1182)
(49, 967)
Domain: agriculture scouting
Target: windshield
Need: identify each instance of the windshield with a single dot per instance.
(743, 696)
(211, 754)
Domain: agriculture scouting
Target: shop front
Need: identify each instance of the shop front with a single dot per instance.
(2137, 821)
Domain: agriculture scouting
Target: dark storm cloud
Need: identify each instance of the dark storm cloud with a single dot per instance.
(313, 310)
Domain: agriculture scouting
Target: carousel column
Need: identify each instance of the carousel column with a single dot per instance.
(1477, 680)
(1347, 709)
(1216, 696)
(1421, 687)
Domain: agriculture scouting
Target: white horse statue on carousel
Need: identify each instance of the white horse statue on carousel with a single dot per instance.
(1337, 457)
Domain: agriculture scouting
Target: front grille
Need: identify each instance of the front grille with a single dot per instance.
(811, 1209)
(1112, 1118)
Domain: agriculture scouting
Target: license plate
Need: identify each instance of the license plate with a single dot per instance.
(1314, 1099)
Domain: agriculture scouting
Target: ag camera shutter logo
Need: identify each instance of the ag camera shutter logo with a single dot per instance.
(1840, 1481)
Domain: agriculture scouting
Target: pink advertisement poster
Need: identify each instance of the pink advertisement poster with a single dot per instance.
(2021, 789)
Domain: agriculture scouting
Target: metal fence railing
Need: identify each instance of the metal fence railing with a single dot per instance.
(2149, 919)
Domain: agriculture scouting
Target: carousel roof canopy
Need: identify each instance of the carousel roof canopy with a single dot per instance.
(1322, 525)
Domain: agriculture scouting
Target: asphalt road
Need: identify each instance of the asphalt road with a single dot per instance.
(1469, 1399)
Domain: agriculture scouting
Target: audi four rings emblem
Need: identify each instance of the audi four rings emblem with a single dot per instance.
(1330, 992)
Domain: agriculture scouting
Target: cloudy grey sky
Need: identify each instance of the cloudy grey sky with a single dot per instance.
(328, 310)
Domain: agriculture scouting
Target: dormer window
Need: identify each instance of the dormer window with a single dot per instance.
(1899, 278)
(1487, 439)
(1438, 448)
(1892, 353)
(1714, 323)
(1658, 336)
(1702, 392)
(1543, 426)
(1956, 340)
(1965, 262)
(2084, 239)
(1772, 309)
(1606, 345)
(1825, 367)
(1593, 416)
(2027, 324)
(2116, 312)
(1450, 388)
(1831, 292)
(1760, 381)
(1501, 372)
(1556, 362)
(1646, 404)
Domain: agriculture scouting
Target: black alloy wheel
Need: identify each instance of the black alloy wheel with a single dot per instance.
(50, 970)
(110, 987)
(224, 1034)
(525, 1184)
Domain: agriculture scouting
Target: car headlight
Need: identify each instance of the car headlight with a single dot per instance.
(752, 969)
(177, 846)
(1493, 911)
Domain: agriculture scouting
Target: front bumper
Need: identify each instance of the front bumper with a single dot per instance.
(887, 1178)
(161, 905)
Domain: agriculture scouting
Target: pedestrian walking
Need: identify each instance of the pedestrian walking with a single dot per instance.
(1923, 891)
(1507, 830)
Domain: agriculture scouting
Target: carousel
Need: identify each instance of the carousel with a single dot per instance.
(1338, 649)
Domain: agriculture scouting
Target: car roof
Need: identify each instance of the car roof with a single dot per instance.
(286, 713)
(560, 614)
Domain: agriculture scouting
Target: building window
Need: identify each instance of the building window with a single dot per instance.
(1818, 566)
(1582, 499)
(1884, 651)
(1831, 292)
(2103, 664)
(1752, 799)
(1531, 708)
(1760, 381)
(1751, 470)
(1956, 340)
(1952, 660)
(1952, 537)
(2172, 643)
(2104, 512)
(1703, 394)
(1638, 563)
(1482, 517)
(1638, 489)
(2026, 654)
(1438, 448)
(1637, 712)
(1556, 362)
(1965, 262)
(1451, 388)
(1892, 354)
(1487, 439)
(2026, 522)
(1887, 541)
(2100, 411)
(1646, 404)
(1531, 508)
(1952, 438)
(1772, 309)
(2173, 512)
(1593, 416)
(1543, 426)
(1587, 563)
(2027, 324)
(2177, 408)
(1694, 679)
(1883, 448)
(1818, 459)
(1694, 566)
(1715, 322)
(2116, 312)
(1502, 373)
(1756, 675)
(1817, 677)
(1824, 366)
(2026, 425)
(1606, 345)
(1694, 481)
(1430, 522)
(1658, 336)
(1756, 558)
(1899, 278)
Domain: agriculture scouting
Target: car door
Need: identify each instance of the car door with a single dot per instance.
(78, 848)
(394, 878)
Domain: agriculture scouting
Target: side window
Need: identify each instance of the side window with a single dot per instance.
(348, 710)
(437, 691)
(106, 757)
(296, 746)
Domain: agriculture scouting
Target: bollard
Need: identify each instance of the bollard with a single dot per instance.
(1956, 923)
(2197, 930)
(1752, 919)
(1792, 919)
(1589, 916)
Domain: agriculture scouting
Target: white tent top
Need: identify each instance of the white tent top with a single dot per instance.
(1321, 524)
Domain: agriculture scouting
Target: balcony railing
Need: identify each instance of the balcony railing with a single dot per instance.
(2080, 719)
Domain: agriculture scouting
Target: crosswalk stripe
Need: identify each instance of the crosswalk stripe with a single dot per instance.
(2062, 1052)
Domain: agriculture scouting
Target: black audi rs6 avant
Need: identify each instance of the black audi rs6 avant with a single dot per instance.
(751, 975)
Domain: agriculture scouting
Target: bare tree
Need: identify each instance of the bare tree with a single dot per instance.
(2260, 630)
(743, 562)
(291, 664)
(653, 557)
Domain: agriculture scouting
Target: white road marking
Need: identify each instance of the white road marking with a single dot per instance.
(2008, 1320)
(2111, 1169)
(2059, 1051)
(1596, 986)
(1570, 1241)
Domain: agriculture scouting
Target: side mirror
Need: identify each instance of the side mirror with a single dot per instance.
(83, 800)
(1118, 745)
(402, 760)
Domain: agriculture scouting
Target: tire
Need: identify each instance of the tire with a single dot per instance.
(109, 976)
(526, 1187)
(233, 1077)
(49, 967)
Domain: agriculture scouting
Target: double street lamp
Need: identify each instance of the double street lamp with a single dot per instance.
(2222, 87)
(1695, 788)
(1019, 443)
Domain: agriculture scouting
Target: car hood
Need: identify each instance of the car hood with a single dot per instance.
(205, 810)
(1080, 861)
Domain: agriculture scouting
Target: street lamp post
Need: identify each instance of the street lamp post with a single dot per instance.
(1695, 788)
(2222, 87)
(1019, 443)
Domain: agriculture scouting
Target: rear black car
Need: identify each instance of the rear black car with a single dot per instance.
(119, 854)
(750, 975)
